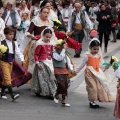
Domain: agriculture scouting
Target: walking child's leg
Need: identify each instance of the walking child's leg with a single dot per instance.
(13, 96)
(64, 102)
(7, 69)
(3, 95)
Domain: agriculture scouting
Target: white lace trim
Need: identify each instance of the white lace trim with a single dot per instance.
(39, 23)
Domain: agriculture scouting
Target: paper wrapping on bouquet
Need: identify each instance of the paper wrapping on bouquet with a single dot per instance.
(72, 43)
(60, 35)
(20, 75)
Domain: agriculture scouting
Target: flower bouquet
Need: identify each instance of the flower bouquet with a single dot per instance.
(3, 49)
(57, 24)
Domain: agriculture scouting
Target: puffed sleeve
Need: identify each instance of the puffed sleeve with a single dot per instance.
(37, 53)
(19, 55)
(82, 64)
(31, 29)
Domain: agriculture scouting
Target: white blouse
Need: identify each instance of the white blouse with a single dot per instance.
(18, 54)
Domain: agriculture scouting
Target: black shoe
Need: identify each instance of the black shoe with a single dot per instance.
(15, 97)
(76, 55)
(3, 96)
(37, 94)
(93, 105)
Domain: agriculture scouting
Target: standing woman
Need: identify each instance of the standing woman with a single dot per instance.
(104, 28)
(38, 24)
(52, 14)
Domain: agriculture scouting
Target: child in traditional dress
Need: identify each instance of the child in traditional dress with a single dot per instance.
(116, 66)
(61, 63)
(20, 34)
(6, 62)
(96, 81)
(43, 81)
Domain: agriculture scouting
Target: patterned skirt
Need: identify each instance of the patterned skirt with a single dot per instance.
(62, 84)
(43, 81)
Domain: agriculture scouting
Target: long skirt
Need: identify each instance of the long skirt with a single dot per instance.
(62, 84)
(95, 89)
(43, 81)
(19, 75)
(117, 105)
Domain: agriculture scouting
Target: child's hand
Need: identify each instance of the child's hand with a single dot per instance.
(17, 26)
(39, 66)
(107, 67)
(73, 72)
(108, 16)
(65, 46)
(22, 63)
(76, 70)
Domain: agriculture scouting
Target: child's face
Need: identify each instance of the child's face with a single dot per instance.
(66, 6)
(94, 50)
(10, 36)
(47, 37)
(93, 20)
(25, 16)
(59, 47)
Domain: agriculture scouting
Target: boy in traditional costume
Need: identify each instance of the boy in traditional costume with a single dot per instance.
(61, 63)
(6, 62)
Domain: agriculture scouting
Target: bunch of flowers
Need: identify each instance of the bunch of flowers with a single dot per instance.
(57, 23)
(3, 49)
(114, 62)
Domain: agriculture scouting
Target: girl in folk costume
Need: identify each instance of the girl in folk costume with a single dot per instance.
(96, 81)
(37, 25)
(2, 26)
(116, 66)
(43, 77)
(20, 34)
(61, 63)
